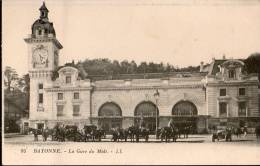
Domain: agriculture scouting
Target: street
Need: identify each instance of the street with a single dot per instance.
(197, 149)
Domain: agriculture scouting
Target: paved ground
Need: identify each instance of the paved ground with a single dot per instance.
(197, 149)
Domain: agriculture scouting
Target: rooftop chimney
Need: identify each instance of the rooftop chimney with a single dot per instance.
(224, 56)
(201, 66)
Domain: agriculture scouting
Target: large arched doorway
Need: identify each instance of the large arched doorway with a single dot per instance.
(145, 114)
(184, 114)
(184, 108)
(110, 116)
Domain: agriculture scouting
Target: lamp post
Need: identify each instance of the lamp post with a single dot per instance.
(156, 96)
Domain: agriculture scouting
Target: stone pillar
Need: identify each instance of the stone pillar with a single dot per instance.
(201, 124)
(207, 124)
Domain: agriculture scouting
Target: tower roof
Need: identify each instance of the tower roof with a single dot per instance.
(43, 7)
(43, 24)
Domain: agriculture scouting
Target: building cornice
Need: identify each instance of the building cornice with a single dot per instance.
(149, 87)
(238, 83)
(65, 89)
(45, 39)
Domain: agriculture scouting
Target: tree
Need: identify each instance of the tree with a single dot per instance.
(82, 72)
(10, 77)
(24, 83)
(116, 67)
(252, 63)
(125, 66)
(133, 67)
(142, 67)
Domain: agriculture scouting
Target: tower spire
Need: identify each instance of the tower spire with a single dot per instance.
(44, 11)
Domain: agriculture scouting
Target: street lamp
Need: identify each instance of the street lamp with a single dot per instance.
(156, 96)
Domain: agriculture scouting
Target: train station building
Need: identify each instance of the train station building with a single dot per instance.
(220, 93)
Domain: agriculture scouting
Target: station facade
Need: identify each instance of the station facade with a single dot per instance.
(220, 94)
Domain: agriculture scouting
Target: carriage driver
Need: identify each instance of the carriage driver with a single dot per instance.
(170, 124)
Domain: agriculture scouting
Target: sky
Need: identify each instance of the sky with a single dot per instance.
(181, 33)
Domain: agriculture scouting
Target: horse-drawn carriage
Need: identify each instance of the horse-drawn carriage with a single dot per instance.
(72, 133)
(134, 133)
(222, 134)
(93, 133)
(168, 133)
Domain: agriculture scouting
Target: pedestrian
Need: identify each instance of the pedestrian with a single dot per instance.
(245, 131)
(170, 124)
(35, 133)
(45, 134)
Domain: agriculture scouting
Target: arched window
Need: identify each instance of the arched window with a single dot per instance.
(40, 32)
(110, 109)
(110, 116)
(184, 108)
(146, 108)
(145, 115)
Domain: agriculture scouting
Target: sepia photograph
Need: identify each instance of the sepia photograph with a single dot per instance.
(130, 82)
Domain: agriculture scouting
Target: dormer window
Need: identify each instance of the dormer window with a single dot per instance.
(40, 32)
(231, 73)
(68, 75)
(68, 79)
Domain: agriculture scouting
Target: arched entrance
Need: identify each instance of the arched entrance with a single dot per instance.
(184, 108)
(145, 114)
(184, 114)
(110, 116)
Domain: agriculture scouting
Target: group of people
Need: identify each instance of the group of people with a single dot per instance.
(61, 132)
(57, 133)
(184, 129)
(69, 132)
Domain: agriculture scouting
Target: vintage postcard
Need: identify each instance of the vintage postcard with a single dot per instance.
(123, 82)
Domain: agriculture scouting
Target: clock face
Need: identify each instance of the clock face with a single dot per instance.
(40, 57)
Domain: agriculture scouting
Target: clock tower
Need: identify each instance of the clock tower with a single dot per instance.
(43, 45)
(43, 59)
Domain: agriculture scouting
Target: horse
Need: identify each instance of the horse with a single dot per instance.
(131, 132)
(35, 132)
(228, 136)
(186, 131)
(45, 133)
(92, 133)
(257, 132)
(136, 133)
(144, 133)
(166, 133)
(237, 131)
(97, 134)
(61, 134)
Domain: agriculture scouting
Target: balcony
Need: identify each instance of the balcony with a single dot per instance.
(60, 114)
(61, 102)
(77, 101)
(76, 114)
(40, 109)
(224, 98)
(242, 98)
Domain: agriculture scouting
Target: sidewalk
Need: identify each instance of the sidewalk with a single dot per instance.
(10, 135)
(18, 138)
